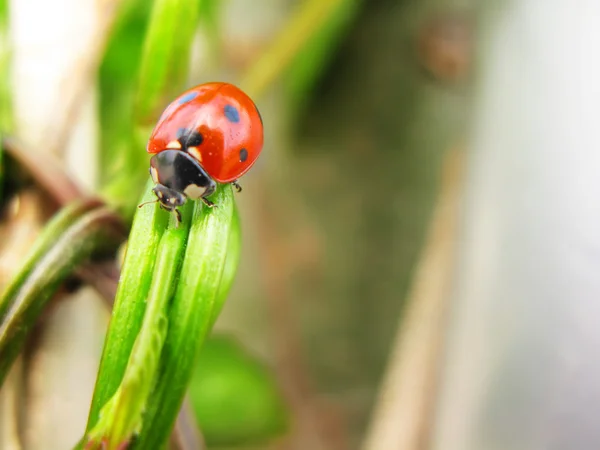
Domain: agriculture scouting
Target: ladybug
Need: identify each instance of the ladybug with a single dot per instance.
(212, 133)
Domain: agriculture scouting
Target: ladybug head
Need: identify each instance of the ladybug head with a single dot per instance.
(168, 198)
(177, 177)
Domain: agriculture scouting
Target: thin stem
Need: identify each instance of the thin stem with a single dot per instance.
(402, 414)
(306, 21)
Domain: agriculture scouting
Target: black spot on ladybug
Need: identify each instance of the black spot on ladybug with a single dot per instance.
(243, 155)
(232, 113)
(189, 138)
(188, 97)
(194, 139)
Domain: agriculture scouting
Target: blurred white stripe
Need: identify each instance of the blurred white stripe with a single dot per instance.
(49, 39)
(522, 369)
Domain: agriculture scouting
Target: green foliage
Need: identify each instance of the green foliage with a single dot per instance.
(312, 27)
(165, 58)
(122, 159)
(130, 303)
(162, 280)
(6, 117)
(194, 307)
(311, 60)
(72, 236)
(234, 396)
(121, 416)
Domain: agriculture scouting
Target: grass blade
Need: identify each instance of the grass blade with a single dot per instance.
(71, 237)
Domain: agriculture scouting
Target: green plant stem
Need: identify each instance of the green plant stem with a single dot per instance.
(153, 277)
(309, 18)
(232, 259)
(121, 417)
(42, 246)
(191, 314)
(166, 56)
(130, 302)
(64, 244)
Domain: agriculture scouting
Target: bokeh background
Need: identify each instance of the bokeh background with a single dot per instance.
(420, 233)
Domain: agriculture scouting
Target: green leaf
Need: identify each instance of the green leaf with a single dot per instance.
(121, 157)
(234, 247)
(189, 294)
(310, 17)
(130, 301)
(166, 56)
(121, 416)
(6, 114)
(3, 11)
(235, 398)
(195, 305)
(311, 60)
(72, 236)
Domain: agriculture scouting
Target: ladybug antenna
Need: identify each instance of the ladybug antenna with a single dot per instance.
(147, 203)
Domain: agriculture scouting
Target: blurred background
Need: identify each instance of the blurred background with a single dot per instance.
(420, 234)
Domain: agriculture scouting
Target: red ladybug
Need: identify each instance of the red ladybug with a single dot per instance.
(210, 134)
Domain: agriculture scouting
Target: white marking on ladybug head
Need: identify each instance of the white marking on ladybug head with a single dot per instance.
(194, 191)
(174, 145)
(154, 174)
(195, 153)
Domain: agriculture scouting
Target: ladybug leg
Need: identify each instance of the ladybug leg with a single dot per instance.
(177, 215)
(207, 202)
(147, 203)
(236, 186)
